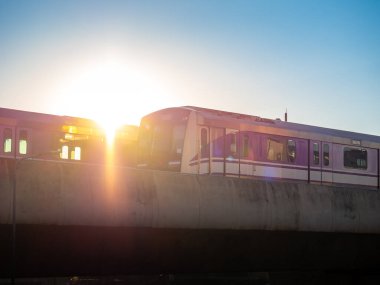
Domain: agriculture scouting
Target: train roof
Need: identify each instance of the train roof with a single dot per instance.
(250, 119)
(20, 115)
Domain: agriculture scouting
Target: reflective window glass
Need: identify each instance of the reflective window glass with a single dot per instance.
(23, 142)
(217, 139)
(245, 152)
(204, 143)
(291, 151)
(7, 140)
(326, 155)
(178, 139)
(355, 158)
(316, 153)
(64, 152)
(77, 153)
(275, 150)
(233, 148)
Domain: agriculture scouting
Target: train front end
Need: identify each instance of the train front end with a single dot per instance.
(161, 139)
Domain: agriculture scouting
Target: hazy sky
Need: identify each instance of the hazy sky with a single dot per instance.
(123, 59)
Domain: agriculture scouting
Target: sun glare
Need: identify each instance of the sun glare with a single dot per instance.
(110, 127)
(110, 92)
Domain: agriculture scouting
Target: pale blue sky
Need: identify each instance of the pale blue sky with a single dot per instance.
(318, 59)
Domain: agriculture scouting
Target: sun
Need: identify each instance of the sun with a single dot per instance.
(112, 92)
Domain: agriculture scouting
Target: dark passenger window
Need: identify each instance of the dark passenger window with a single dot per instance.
(245, 146)
(217, 139)
(326, 155)
(275, 150)
(178, 139)
(316, 153)
(291, 151)
(233, 148)
(355, 158)
(161, 139)
(204, 143)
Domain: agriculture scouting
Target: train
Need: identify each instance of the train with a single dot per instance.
(196, 140)
(203, 141)
(31, 135)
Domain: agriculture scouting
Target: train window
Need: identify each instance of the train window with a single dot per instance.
(217, 139)
(233, 146)
(7, 140)
(326, 155)
(145, 141)
(355, 158)
(64, 152)
(76, 153)
(204, 152)
(275, 150)
(291, 151)
(161, 139)
(178, 138)
(231, 140)
(245, 145)
(316, 153)
(23, 142)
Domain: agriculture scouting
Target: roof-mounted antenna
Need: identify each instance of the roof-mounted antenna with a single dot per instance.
(286, 114)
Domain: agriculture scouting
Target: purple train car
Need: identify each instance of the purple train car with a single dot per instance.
(68, 139)
(204, 141)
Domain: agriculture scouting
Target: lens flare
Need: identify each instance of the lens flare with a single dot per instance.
(112, 92)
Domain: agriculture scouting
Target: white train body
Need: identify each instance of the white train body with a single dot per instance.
(203, 141)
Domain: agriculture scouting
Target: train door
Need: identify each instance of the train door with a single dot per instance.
(327, 163)
(204, 150)
(232, 160)
(217, 151)
(315, 161)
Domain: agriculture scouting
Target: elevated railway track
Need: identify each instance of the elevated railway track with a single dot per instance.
(65, 219)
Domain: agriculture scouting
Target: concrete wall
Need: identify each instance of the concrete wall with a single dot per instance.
(76, 219)
(50, 193)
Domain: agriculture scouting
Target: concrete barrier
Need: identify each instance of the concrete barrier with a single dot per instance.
(79, 219)
(94, 195)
